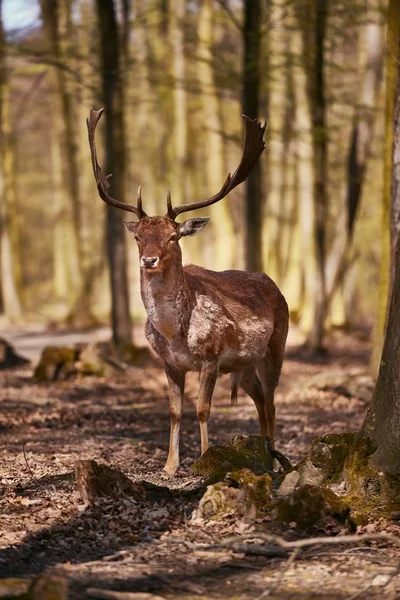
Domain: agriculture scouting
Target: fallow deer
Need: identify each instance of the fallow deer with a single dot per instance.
(200, 320)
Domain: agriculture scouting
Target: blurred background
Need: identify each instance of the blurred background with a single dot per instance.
(174, 77)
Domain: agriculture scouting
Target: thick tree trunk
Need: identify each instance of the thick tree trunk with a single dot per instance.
(316, 92)
(115, 164)
(250, 107)
(393, 33)
(382, 424)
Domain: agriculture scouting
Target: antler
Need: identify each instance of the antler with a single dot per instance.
(101, 179)
(253, 148)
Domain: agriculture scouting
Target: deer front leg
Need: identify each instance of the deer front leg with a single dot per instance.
(208, 377)
(176, 386)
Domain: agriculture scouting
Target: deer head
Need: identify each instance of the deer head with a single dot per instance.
(158, 237)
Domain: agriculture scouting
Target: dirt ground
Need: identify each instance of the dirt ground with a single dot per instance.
(157, 547)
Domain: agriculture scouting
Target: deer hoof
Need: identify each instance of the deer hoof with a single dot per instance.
(171, 468)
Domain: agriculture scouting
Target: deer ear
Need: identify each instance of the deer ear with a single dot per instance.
(130, 225)
(192, 226)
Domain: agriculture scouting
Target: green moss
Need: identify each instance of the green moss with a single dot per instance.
(369, 492)
(311, 506)
(325, 460)
(245, 452)
(56, 362)
(242, 494)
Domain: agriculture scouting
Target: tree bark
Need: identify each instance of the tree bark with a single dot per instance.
(115, 163)
(382, 423)
(250, 107)
(317, 102)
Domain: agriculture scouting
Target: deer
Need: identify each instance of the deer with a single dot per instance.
(201, 320)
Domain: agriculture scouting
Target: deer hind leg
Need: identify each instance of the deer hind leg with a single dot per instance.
(208, 378)
(251, 384)
(176, 386)
(269, 371)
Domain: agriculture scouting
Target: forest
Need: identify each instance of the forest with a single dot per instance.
(285, 115)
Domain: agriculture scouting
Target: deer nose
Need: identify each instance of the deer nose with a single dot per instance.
(149, 261)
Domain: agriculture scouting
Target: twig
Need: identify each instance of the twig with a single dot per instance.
(339, 539)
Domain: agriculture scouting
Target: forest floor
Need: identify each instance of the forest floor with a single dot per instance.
(157, 547)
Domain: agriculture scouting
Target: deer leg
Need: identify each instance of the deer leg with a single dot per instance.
(208, 378)
(251, 384)
(176, 386)
(269, 371)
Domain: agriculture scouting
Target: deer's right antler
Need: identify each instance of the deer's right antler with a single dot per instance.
(254, 146)
(101, 179)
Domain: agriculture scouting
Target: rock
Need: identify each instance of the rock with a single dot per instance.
(289, 483)
(242, 494)
(101, 360)
(325, 460)
(95, 480)
(93, 362)
(244, 452)
(8, 357)
(56, 362)
(311, 506)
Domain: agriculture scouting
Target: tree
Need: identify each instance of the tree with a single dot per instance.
(215, 169)
(314, 52)
(360, 147)
(9, 293)
(57, 18)
(388, 226)
(113, 98)
(375, 455)
(250, 107)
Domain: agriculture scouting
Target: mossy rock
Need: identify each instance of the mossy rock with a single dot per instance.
(242, 494)
(56, 362)
(314, 507)
(325, 460)
(136, 356)
(13, 588)
(244, 452)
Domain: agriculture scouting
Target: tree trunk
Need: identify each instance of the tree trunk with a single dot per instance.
(9, 292)
(358, 156)
(177, 15)
(382, 423)
(316, 93)
(250, 107)
(393, 33)
(115, 164)
(215, 169)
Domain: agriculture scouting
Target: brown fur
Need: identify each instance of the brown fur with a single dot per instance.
(206, 321)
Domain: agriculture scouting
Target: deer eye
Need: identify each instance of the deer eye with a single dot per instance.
(136, 238)
(173, 238)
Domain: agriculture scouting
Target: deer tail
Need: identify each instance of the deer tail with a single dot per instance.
(235, 382)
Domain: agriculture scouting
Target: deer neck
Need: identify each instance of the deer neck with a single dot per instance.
(166, 298)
